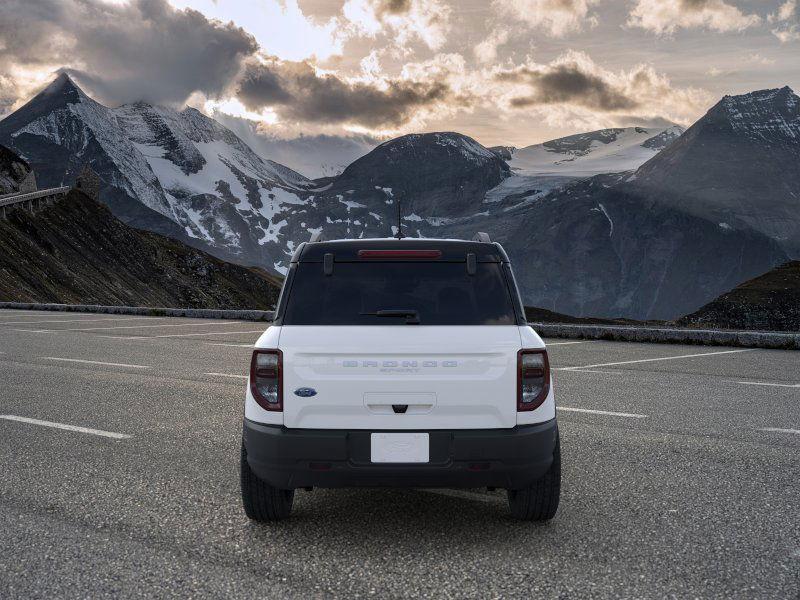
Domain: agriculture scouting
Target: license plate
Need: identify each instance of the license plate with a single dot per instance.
(400, 447)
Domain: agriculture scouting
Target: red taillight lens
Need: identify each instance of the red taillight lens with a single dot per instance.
(533, 379)
(399, 254)
(266, 379)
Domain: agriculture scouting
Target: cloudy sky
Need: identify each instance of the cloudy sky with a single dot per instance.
(503, 71)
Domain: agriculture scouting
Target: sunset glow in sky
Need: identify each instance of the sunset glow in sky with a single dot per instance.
(503, 71)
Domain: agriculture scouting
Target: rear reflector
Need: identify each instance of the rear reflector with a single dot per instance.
(416, 254)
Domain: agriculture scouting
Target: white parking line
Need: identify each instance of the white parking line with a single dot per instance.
(779, 430)
(602, 412)
(100, 432)
(95, 362)
(174, 335)
(787, 385)
(229, 345)
(548, 344)
(78, 320)
(127, 327)
(571, 370)
(644, 360)
(226, 375)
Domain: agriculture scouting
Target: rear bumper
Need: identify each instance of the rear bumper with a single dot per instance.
(292, 458)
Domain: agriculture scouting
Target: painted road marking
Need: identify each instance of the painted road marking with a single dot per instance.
(787, 385)
(174, 335)
(78, 320)
(644, 360)
(571, 370)
(95, 362)
(602, 412)
(548, 344)
(779, 430)
(226, 375)
(127, 327)
(100, 432)
(229, 345)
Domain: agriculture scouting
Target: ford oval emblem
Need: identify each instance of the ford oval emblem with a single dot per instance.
(305, 392)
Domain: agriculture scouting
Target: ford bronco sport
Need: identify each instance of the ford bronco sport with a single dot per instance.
(400, 362)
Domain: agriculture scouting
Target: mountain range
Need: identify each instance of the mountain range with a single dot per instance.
(636, 222)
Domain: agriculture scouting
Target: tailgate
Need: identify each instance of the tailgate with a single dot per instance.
(400, 377)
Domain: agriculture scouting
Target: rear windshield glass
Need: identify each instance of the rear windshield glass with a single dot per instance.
(433, 293)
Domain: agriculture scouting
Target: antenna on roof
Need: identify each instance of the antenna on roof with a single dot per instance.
(399, 221)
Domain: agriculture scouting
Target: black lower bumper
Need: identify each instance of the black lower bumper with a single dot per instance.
(292, 458)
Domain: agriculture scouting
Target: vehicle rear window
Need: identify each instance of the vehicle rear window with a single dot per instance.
(441, 293)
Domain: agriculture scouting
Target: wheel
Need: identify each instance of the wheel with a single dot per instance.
(261, 501)
(539, 501)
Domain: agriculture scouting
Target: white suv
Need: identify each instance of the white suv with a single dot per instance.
(400, 362)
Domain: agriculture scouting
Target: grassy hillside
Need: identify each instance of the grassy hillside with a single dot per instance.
(76, 252)
(768, 302)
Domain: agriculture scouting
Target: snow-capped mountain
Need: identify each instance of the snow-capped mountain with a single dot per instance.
(653, 243)
(593, 153)
(717, 206)
(176, 172)
(315, 156)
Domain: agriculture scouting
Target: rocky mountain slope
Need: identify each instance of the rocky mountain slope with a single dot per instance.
(737, 166)
(75, 251)
(175, 172)
(13, 171)
(768, 302)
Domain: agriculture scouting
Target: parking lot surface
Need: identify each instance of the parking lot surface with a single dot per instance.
(120, 436)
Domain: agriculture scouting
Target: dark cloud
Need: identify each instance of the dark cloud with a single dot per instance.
(567, 83)
(296, 92)
(694, 4)
(141, 50)
(394, 7)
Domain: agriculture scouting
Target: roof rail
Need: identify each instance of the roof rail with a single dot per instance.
(482, 237)
(317, 236)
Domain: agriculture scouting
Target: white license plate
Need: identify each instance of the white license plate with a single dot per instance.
(400, 447)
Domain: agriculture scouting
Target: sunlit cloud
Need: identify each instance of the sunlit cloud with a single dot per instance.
(573, 86)
(786, 18)
(556, 17)
(405, 21)
(280, 27)
(664, 17)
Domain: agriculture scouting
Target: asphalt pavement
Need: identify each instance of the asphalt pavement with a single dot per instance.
(119, 447)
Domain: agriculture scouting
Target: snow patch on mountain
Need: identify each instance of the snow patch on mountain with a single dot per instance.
(593, 153)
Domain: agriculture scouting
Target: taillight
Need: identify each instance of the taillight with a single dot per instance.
(533, 379)
(266, 379)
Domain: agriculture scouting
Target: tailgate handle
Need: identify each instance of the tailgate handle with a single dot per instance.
(327, 266)
(472, 263)
(399, 409)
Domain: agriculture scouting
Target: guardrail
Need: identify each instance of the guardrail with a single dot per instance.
(621, 333)
(672, 335)
(197, 313)
(7, 200)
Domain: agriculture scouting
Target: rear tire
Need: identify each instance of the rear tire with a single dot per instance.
(539, 501)
(261, 501)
